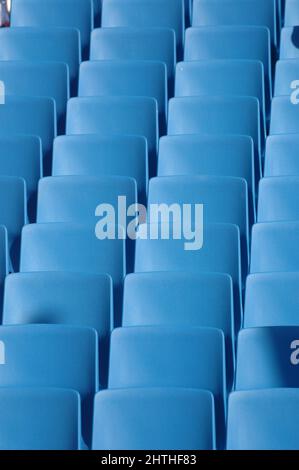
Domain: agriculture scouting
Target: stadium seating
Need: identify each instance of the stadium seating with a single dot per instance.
(285, 75)
(284, 116)
(4, 263)
(281, 155)
(277, 199)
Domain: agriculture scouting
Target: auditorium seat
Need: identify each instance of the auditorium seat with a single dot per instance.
(263, 420)
(196, 300)
(272, 299)
(96, 155)
(289, 43)
(138, 78)
(285, 74)
(39, 419)
(171, 357)
(76, 14)
(46, 44)
(282, 155)
(127, 419)
(278, 199)
(284, 116)
(116, 115)
(52, 356)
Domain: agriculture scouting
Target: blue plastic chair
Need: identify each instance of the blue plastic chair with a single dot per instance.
(93, 155)
(64, 298)
(231, 42)
(76, 14)
(30, 116)
(138, 78)
(154, 44)
(223, 77)
(227, 115)
(278, 199)
(4, 260)
(33, 82)
(291, 17)
(43, 44)
(289, 43)
(146, 14)
(263, 420)
(284, 116)
(39, 419)
(52, 356)
(267, 358)
(74, 247)
(171, 357)
(232, 12)
(114, 115)
(220, 252)
(231, 208)
(274, 247)
(196, 300)
(271, 300)
(221, 155)
(282, 155)
(127, 419)
(286, 72)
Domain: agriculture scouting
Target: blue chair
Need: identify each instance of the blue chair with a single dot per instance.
(274, 247)
(282, 155)
(127, 419)
(73, 247)
(138, 78)
(196, 300)
(271, 300)
(60, 199)
(43, 44)
(94, 155)
(263, 420)
(231, 42)
(221, 155)
(289, 43)
(56, 356)
(267, 358)
(64, 298)
(21, 155)
(146, 14)
(30, 116)
(219, 252)
(291, 17)
(33, 82)
(76, 14)
(13, 213)
(286, 72)
(227, 115)
(39, 419)
(154, 44)
(223, 77)
(4, 260)
(278, 199)
(232, 12)
(284, 116)
(231, 208)
(171, 357)
(114, 115)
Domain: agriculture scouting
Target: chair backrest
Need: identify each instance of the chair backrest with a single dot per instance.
(285, 74)
(282, 155)
(278, 199)
(289, 43)
(4, 259)
(284, 116)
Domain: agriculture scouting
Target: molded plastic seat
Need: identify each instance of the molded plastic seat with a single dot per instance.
(73, 247)
(52, 356)
(263, 420)
(127, 419)
(272, 300)
(267, 358)
(284, 116)
(30, 116)
(227, 115)
(289, 43)
(155, 44)
(76, 14)
(278, 199)
(275, 247)
(291, 17)
(219, 253)
(282, 155)
(231, 42)
(33, 82)
(138, 78)
(39, 419)
(116, 115)
(286, 72)
(146, 14)
(227, 155)
(43, 44)
(231, 207)
(196, 300)
(170, 357)
(94, 155)
(4, 259)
